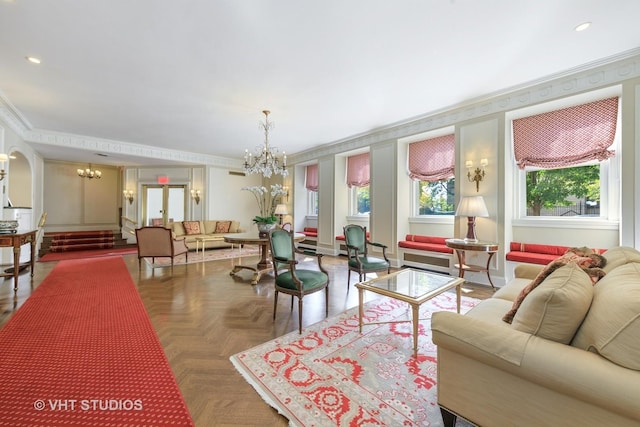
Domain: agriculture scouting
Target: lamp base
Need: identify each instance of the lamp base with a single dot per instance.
(471, 230)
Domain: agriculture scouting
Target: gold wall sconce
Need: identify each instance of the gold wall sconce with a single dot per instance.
(478, 174)
(195, 195)
(128, 195)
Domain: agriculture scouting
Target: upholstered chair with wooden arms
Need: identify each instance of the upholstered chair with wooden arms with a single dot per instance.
(158, 242)
(289, 278)
(358, 255)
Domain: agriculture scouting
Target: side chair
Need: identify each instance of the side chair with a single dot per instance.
(158, 242)
(358, 255)
(290, 279)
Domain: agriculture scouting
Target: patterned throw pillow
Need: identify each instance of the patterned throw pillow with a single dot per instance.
(191, 227)
(223, 226)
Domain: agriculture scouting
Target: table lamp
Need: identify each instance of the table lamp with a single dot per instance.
(471, 207)
(281, 210)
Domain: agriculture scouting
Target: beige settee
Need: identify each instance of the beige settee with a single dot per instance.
(571, 356)
(213, 230)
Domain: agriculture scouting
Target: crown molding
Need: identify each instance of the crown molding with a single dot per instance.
(12, 117)
(595, 75)
(121, 148)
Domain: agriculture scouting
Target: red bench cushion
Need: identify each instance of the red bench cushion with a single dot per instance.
(425, 243)
(310, 231)
(536, 253)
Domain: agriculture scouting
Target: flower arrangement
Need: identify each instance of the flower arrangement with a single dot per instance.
(267, 201)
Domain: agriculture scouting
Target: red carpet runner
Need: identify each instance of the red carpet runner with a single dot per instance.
(82, 351)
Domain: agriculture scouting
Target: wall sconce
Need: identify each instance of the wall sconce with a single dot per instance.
(195, 195)
(286, 194)
(128, 195)
(478, 174)
(3, 158)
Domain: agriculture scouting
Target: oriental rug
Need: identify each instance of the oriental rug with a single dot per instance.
(331, 375)
(209, 255)
(82, 351)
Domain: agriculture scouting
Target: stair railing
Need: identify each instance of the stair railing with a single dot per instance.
(129, 226)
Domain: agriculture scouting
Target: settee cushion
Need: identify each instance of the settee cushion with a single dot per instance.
(620, 255)
(556, 307)
(223, 226)
(178, 229)
(191, 227)
(612, 326)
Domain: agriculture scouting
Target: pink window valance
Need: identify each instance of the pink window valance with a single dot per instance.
(311, 180)
(358, 170)
(432, 159)
(566, 137)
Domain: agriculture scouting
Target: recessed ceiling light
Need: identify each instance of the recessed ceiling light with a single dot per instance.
(33, 59)
(582, 26)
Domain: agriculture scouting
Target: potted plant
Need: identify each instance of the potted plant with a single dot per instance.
(267, 201)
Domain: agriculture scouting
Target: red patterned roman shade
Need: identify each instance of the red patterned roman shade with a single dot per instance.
(358, 170)
(566, 137)
(432, 159)
(311, 181)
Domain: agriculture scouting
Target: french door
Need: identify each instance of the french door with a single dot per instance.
(163, 204)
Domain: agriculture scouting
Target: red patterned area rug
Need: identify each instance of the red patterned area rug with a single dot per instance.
(81, 351)
(209, 255)
(332, 375)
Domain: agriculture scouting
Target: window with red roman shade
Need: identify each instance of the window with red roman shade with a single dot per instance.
(566, 137)
(311, 180)
(432, 159)
(358, 170)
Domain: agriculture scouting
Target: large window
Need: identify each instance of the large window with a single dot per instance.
(567, 158)
(432, 168)
(311, 184)
(358, 182)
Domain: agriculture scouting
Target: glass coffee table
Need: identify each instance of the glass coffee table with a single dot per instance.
(412, 286)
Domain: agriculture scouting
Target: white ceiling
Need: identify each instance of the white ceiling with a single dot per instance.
(195, 75)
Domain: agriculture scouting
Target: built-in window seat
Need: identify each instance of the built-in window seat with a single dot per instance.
(428, 252)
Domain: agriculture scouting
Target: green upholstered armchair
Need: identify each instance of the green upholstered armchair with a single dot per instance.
(289, 278)
(357, 243)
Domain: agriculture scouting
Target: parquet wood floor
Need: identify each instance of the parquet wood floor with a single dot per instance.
(203, 315)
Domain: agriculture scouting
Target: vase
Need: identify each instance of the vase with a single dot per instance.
(264, 228)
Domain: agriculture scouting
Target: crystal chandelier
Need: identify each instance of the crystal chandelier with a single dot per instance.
(265, 161)
(89, 173)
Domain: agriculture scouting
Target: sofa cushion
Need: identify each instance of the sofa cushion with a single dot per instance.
(191, 227)
(584, 258)
(223, 227)
(209, 226)
(620, 255)
(178, 229)
(612, 326)
(556, 307)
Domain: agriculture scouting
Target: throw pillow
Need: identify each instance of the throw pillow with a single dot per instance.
(612, 326)
(191, 227)
(585, 258)
(223, 226)
(555, 309)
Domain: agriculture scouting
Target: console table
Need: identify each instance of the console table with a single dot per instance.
(461, 246)
(15, 241)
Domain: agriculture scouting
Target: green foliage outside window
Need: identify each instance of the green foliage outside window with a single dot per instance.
(551, 188)
(437, 197)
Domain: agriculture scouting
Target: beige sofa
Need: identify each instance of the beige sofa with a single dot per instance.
(213, 230)
(571, 356)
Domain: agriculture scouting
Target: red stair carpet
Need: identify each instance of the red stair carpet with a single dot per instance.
(81, 351)
(59, 256)
(80, 240)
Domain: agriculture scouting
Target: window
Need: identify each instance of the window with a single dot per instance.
(358, 182)
(311, 184)
(435, 197)
(567, 157)
(432, 168)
